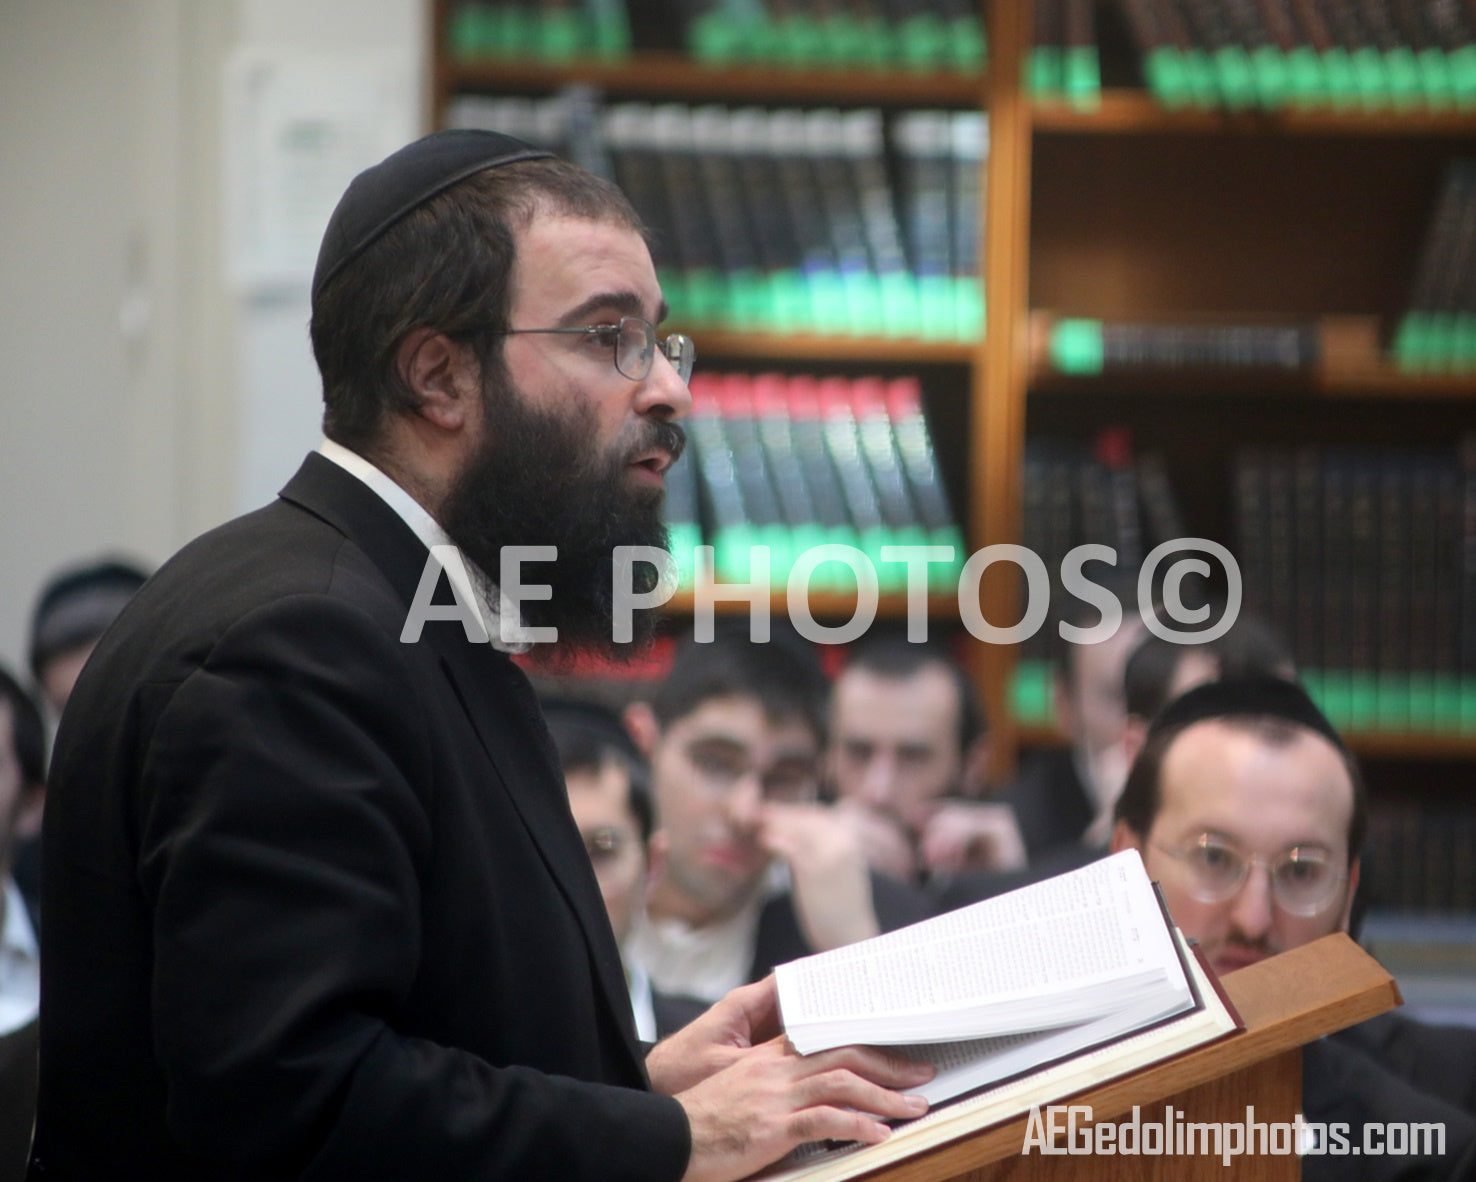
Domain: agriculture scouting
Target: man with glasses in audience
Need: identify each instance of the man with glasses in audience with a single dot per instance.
(757, 870)
(316, 905)
(1249, 811)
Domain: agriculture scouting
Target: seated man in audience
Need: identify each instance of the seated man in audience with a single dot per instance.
(1159, 670)
(1155, 672)
(72, 611)
(1063, 798)
(1249, 811)
(757, 871)
(907, 756)
(22, 780)
(609, 787)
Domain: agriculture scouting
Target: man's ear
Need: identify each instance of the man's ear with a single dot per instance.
(640, 721)
(443, 375)
(1123, 838)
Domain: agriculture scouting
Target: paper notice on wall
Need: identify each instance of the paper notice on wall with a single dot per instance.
(298, 127)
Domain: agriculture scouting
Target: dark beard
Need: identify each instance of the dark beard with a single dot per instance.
(539, 479)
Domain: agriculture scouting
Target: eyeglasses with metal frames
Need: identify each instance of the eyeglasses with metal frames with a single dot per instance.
(634, 342)
(1304, 880)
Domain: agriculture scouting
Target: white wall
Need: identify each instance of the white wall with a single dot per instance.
(143, 398)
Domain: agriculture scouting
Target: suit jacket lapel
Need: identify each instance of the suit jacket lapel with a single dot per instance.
(500, 706)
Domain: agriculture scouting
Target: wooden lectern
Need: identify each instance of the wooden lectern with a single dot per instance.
(1284, 1002)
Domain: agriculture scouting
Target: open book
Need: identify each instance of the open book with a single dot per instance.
(1034, 995)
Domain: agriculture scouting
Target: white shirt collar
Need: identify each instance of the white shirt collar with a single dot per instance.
(20, 964)
(480, 590)
(642, 1004)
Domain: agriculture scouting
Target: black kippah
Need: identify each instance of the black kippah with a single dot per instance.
(380, 196)
(1265, 697)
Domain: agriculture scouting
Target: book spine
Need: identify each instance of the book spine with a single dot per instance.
(1423, 603)
(733, 237)
(1252, 533)
(1081, 70)
(1140, 346)
(1337, 573)
(807, 434)
(1281, 538)
(1465, 580)
(1044, 76)
(1395, 567)
(1362, 645)
(1161, 511)
(856, 300)
(969, 150)
(1306, 622)
(636, 171)
(771, 418)
(720, 486)
(843, 443)
(922, 141)
(1415, 346)
(919, 461)
(805, 206)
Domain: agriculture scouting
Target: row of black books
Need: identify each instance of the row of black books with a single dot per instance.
(877, 34)
(853, 222)
(1082, 346)
(1419, 855)
(1366, 560)
(1097, 492)
(1437, 331)
(1268, 54)
(796, 463)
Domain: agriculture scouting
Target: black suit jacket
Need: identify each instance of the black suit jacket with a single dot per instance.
(316, 904)
(1343, 1086)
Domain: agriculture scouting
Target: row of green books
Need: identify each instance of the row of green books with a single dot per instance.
(1437, 331)
(1365, 559)
(554, 33)
(1356, 702)
(936, 35)
(859, 222)
(794, 463)
(939, 35)
(1378, 55)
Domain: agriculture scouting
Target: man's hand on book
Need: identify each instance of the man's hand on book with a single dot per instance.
(747, 1016)
(827, 873)
(772, 1099)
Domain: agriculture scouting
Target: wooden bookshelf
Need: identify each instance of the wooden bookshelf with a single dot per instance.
(728, 345)
(1352, 364)
(655, 74)
(1135, 112)
(1118, 210)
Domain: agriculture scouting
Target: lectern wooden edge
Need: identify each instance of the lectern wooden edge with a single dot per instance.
(1284, 1002)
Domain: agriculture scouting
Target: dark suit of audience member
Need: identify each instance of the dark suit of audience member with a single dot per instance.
(1342, 1085)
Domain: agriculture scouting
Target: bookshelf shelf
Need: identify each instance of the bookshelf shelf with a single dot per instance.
(674, 75)
(1135, 112)
(730, 345)
(1351, 364)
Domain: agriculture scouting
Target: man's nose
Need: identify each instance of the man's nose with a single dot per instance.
(1252, 911)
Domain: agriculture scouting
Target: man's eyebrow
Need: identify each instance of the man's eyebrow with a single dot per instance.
(627, 303)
